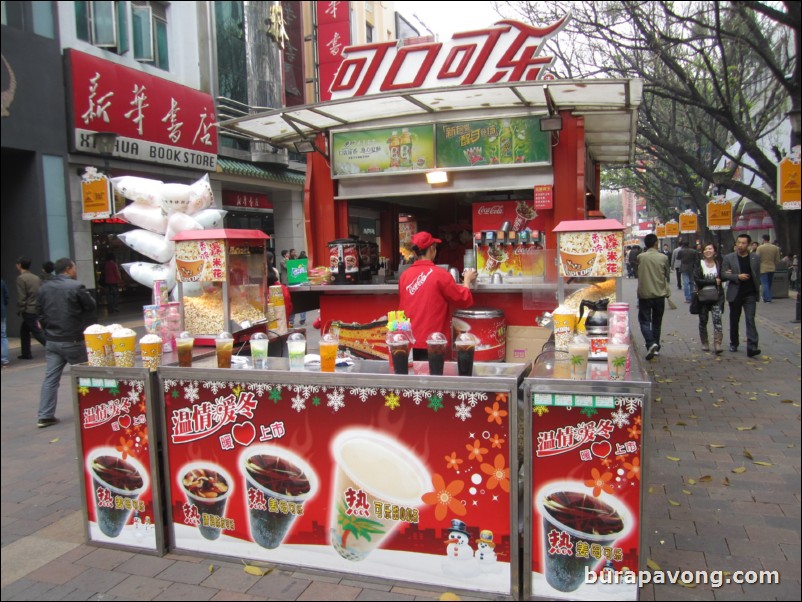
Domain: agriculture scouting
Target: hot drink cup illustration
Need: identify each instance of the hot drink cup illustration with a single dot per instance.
(279, 483)
(208, 487)
(117, 485)
(565, 508)
(495, 257)
(577, 264)
(376, 478)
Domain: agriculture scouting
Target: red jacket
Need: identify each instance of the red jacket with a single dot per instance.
(425, 292)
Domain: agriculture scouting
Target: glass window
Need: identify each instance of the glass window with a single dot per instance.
(104, 24)
(81, 20)
(43, 21)
(162, 55)
(141, 18)
(122, 27)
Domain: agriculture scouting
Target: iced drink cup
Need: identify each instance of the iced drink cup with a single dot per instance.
(384, 474)
(224, 344)
(583, 517)
(123, 341)
(207, 487)
(279, 482)
(296, 348)
(117, 484)
(98, 346)
(398, 345)
(329, 345)
(183, 345)
(466, 346)
(259, 345)
(617, 361)
(436, 346)
(151, 347)
(578, 352)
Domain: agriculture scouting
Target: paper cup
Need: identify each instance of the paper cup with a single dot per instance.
(124, 351)
(577, 264)
(564, 326)
(99, 348)
(208, 487)
(117, 485)
(373, 472)
(151, 353)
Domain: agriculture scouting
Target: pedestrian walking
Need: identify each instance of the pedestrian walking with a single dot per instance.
(47, 271)
(741, 270)
(632, 260)
(4, 304)
(706, 274)
(112, 280)
(769, 255)
(675, 265)
(687, 258)
(653, 289)
(65, 309)
(28, 285)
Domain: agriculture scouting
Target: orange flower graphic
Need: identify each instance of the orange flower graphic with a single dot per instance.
(477, 451)
(498, 474)
(638, 420)
(607, 462)
(495, 414)
(502, 397)
(633, 468)
(599, 482)
(496, 441)
(143, 436)
(634, 432)
(453, 461)
(125, 447)
(444, 497)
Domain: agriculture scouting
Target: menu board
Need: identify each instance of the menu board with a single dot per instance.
(598, 253)
(119, 470)
(586, 467)
(391, 150)
(399, 483)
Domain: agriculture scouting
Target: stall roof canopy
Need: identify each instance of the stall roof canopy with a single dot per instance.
(610, 108)
(591, 225)
(221, 233)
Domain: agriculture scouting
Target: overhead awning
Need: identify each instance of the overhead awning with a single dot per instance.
(610, 109)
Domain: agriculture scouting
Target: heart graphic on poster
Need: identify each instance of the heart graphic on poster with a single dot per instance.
(244, 433)
(124, 421)
(601, 449)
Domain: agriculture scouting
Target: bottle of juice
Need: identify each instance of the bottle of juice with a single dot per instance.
(395, 149)
(406, 149)
(505, 143)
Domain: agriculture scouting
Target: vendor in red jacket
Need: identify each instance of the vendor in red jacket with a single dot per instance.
(426, 293)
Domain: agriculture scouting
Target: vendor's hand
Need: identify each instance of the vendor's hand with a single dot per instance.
(468, 276)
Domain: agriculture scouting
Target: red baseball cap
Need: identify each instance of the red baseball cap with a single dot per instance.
(424, 240)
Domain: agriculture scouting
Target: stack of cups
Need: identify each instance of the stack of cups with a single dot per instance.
(151, 347)
(124, 343)
(98, 346)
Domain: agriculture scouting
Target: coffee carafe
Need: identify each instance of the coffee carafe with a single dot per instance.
(596, 326)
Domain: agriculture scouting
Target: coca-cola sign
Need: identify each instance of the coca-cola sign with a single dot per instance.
(506, 52)
(490, 210)
(521, 215)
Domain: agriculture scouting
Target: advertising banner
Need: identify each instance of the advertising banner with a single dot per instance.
(333, 37)
(719, 214)
(672, 228)
(789, 181)
(492, 142)
(297, 271)
(491, 215)
(591, 253)
(390, 482)
(200, 261)
(96, 195)
(688, 223)
(118, 461)
(586, 467)
(660, 231)
(391, 150)
(544, 197)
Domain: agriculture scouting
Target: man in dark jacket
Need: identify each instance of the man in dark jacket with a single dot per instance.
(741, 270)
(28, 285)
(688, 259)
(66, 308)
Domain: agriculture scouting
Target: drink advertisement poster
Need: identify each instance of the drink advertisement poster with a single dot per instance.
(118, 467)
(492, 142)
(386, 151)
(297, 271)
(586, 490)
(391, 482)
(491, 215)
(96, 194)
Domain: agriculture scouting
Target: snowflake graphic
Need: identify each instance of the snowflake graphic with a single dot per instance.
(362, 392)
(540, 410)
(589, 412)
(213, 385)
(275, 394)
(472, 397)
(133, 395)
(306, 390)
(417, 395)
(258, 388)
(436, 402)
(83, 390)
(631, 404)
(463, 411)
(316, 401)
(191, 393)
(336, 400)
(169, 383)
(392, 401)
(298, 403)
(620, 418)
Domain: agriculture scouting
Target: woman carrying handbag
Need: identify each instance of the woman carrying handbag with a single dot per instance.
(707, 277)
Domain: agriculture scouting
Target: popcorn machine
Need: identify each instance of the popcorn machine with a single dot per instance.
(222, 281)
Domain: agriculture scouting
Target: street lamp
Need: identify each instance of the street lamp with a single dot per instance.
(104, 143)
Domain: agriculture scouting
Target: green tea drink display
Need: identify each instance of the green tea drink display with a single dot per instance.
(388, 474)
(259, 344)
(224, 344)
(184, 343)
(296, 348)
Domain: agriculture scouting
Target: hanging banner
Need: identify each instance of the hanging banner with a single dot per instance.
(391, 150)
(688, 223)
(788, 181)
(333, 37)
(719, 214)
(660, 231)
(96, 195)
(672, 228)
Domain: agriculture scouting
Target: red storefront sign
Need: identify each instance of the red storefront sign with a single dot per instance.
(334, 35)
(646, 226)
(520, 214)
(157, 121)
(544, 197)
(586, 467)
(506, 52)
(246, 200)
(362, 479)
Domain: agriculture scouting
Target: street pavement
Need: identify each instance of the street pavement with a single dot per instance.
(721, 485)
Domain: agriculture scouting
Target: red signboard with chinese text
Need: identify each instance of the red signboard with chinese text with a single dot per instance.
(157, 120)
(544, 197)
(491, 215)
(118, 451)
(392, 482)
(333, 35)
(246, 200)
(586, 467)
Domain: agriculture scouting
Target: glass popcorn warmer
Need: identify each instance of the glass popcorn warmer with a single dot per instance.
(222, 281)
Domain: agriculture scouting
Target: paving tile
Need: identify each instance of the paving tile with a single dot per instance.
(57, 572)
(361, 582)
(105, 558)
(382, 595)
(184, 591)
(185, 572)
(135, 587)
(99, 580)
(279, 587)
(413, 591)
(145, 565)
(36, 591)
(234, 580)
(330, 591)
(771, 534)
(235, 596)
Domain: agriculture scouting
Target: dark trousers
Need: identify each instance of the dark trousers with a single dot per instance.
(650, 317)
(747, 305)
(679, 278)
(29, 328)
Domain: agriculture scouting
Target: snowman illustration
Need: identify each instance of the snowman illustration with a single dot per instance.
(485, 548)
(459, 560)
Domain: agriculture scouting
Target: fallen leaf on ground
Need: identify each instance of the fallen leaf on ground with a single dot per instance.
(211, 568)
(787, 401)
(746, 428)
(715, 446)
(748, 454)
(255, 570)
(673, 459)
(691, 481)
(726, 481)
(673, 503)
(681, 424)
(686, 492)
(763, 463)
(739, 470)
(653, 565)
(56, 440)
(705, 479)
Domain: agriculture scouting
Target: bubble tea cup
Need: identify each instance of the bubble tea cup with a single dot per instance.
(436, 345)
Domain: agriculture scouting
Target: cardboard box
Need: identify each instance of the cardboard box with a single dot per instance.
(524, 343)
